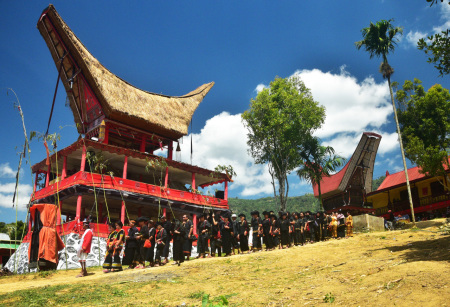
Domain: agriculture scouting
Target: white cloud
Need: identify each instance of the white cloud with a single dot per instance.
(445, 17)
(223, 140)
(7, 192)
(6, 171)
(413, 37)
(260, 87)
(351, 106)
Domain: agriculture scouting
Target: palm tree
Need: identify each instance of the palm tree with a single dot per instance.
(318, 162)
(379, 39)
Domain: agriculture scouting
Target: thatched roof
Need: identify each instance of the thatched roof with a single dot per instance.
(168, 116)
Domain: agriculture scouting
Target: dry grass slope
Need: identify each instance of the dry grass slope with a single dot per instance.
(390, 268)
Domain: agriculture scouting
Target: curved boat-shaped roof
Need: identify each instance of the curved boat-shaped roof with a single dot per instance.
(85, 78)
(364, 156)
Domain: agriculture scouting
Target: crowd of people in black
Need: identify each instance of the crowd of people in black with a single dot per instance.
(147, 243)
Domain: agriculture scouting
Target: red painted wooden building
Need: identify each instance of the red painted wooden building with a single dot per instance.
(111, 170)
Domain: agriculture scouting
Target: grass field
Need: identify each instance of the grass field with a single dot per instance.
(375, 269)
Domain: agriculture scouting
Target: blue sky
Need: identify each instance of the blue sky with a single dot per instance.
(172, 47)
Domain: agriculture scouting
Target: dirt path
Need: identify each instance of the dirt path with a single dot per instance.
(389, 268)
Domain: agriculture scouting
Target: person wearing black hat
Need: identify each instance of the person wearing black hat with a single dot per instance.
(168, 226)
(243, 233)
(107, 263)
(131, 245)
(216, 235)
(275, 230)
(256, 225)
(234, 239)
(84, 248)
(118, 245)
(302, 222)
(267, 229)
(141, 237)
(341, 224)
(179, 234)
(203, 236)
(187, 245)
(227, 234)
(150, 257)
(284, 230)
(297, 228)
(160, 242)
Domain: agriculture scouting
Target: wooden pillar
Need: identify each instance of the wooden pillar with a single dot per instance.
(105, 141)
(124, 176)
(78, 212)
(64, 170)
(58, 214)
(193, 182)
(142, 149)
(30, 222)
(83, 159)
(35, 181)
(226, 191)
(122, 213)
(166, 180)
(194, 220)
(47, 177)
(140, 211)
(170, 151)
(125, 168)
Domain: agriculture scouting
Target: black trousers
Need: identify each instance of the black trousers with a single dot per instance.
(159, 253)
(256, 241)
(178, 250)
(267, 239)
(129, 256)
(243, 242)
(166, 250)
(150, 255)
(202, 244)
(216, 245)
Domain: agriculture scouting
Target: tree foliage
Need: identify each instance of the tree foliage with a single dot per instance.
(377, 182)
(379, 39)
(280, 119)
(425, 123)
(317, 162)
(438, 49)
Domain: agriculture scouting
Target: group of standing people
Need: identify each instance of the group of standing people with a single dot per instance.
(217, 234)
(227, 234)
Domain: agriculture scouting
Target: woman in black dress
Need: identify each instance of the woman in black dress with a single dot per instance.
(284, 230)
(243, 233)
(226, 230)
(179, 234)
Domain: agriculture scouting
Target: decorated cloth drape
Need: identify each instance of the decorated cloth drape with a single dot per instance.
(49, 241)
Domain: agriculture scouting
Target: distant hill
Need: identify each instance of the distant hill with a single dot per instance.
(302, 203)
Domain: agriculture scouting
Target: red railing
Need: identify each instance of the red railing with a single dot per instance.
(420, 204)
(126, 185)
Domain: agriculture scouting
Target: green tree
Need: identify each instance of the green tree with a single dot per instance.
(425, 123)
(377, 182)
(317, 162)
(280, 119)
(438, 49)
(378, 40)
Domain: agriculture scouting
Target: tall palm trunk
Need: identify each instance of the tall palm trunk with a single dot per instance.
(320, 197)
(403, 153)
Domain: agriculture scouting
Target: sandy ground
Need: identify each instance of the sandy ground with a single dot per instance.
(373, 269)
